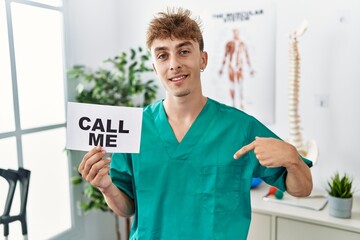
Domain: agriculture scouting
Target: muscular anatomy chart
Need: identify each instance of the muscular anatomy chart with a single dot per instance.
(236, 55)
(241, 69)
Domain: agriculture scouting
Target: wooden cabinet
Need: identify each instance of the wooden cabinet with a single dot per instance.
(274, 221)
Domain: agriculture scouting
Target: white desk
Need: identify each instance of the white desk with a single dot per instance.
(274, 221)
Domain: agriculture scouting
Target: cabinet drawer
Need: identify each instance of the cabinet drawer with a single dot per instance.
(296, 230)
(260, 227)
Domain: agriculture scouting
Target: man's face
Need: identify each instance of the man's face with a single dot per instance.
(177, 64)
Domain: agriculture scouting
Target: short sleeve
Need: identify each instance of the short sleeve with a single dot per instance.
(273, 176)
(307, 161)
(121, 173)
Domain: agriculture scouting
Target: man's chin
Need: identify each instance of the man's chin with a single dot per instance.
(182, 94)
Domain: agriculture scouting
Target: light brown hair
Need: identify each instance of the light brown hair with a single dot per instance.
(175, 23)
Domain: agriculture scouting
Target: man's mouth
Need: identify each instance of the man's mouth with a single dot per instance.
(178, 78)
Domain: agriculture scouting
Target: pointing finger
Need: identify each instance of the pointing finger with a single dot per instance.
(244, 150)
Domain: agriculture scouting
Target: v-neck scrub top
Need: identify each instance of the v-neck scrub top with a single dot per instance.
(194, 189)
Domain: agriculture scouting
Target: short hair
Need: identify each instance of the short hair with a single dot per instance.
(175, 23)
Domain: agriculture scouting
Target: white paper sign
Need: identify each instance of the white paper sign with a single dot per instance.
(116, 129)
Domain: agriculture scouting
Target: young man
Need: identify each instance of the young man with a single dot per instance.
(192, 177)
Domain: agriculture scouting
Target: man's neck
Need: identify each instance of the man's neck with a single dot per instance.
(182, 112)
(184, 108)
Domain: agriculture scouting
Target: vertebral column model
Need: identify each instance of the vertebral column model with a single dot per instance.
(309, 148)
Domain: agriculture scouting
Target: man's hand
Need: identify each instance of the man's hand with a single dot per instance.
(94, 169)
(271, 152)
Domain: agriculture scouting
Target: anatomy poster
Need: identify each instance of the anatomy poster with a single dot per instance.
(241, 68)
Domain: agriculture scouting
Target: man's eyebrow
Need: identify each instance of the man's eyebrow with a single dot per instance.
(157, 49)
(182, 44)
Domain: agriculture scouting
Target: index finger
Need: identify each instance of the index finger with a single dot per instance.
(244, 149)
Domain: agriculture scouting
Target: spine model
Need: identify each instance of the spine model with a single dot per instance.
(307, 149)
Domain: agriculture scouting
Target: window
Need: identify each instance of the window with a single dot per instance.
(32, 117)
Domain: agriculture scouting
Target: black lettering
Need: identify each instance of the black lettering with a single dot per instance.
(98, 125)
(95, 141)
(121, 127)
(111, 140)
(108, 127)
(81, 123)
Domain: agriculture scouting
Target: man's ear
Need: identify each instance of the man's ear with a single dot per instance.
(204, 59)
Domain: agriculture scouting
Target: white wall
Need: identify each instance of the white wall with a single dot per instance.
(330, 64)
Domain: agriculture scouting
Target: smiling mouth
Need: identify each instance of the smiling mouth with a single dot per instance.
(178, 78)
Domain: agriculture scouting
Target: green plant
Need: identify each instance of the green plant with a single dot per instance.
(340, 186)
(120, 84)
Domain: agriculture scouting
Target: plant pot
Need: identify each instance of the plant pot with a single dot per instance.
(340, 207)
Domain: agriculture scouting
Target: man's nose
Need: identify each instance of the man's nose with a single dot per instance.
(174, 64)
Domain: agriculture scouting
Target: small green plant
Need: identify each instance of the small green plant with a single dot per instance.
(340, 186)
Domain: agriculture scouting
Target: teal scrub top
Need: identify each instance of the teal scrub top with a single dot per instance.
(194, 189)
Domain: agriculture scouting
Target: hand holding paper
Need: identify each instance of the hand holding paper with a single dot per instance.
(94, 169)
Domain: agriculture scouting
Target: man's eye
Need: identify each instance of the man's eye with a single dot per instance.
(161, 56)
(184, 52)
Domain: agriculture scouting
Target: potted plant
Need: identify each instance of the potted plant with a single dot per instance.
(119, 84)
(340, 195)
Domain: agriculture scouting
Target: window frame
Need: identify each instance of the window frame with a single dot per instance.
(77, 221)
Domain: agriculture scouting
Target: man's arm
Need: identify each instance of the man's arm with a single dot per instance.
(299, 179)
(273, 152)
(118, 201)
(94, 169)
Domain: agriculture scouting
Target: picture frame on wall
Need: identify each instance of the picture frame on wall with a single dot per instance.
(240, 42)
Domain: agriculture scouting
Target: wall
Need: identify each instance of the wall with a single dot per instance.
(330, 67)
